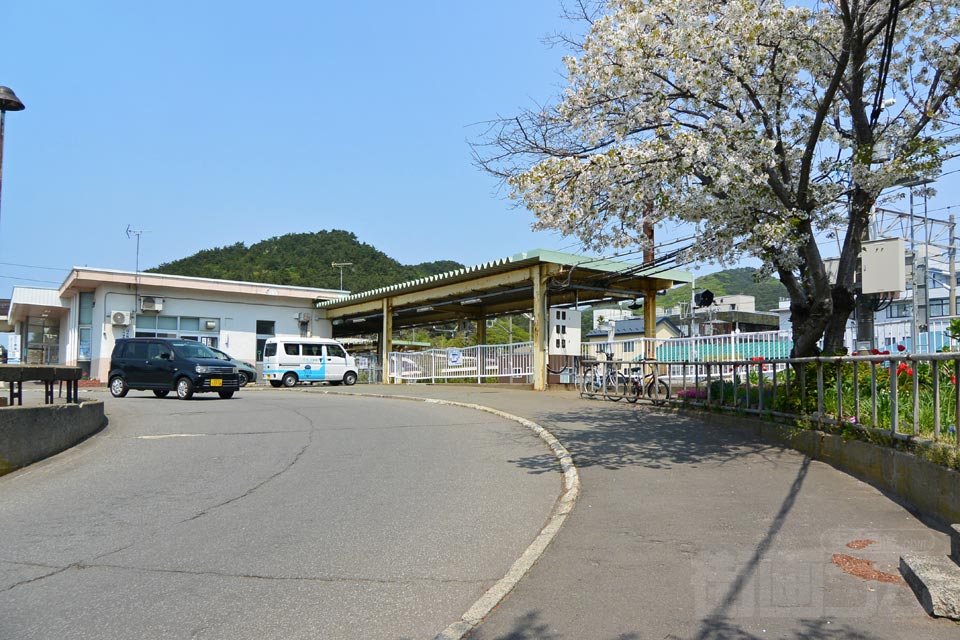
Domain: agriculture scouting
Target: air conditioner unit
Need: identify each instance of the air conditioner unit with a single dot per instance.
(149, 303)
(120, 318)
(304, 317)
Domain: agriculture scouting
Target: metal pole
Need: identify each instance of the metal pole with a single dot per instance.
(953, 269)
(913, 282)
(3, 117)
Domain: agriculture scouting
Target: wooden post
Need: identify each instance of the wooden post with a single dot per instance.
(538, 337)
(386, 339)
(650, 301)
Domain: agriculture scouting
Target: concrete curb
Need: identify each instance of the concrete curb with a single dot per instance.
(561, 509)
(32, 433)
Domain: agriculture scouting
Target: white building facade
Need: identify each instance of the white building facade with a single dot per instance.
(78, 324)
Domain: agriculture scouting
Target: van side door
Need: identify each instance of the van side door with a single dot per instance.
(160, 365)
(133, 362)
(312, 357)
(335, 361)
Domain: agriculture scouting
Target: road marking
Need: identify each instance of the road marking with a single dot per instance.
(172, 435)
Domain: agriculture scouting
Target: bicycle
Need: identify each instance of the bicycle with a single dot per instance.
(649, 385)
(589, 385)
(599, 380)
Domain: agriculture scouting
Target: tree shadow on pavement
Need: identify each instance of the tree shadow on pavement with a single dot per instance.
(618, 436)
(530, 627)
(720, 629)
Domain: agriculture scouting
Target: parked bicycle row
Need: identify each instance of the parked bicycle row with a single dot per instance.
(616, 380)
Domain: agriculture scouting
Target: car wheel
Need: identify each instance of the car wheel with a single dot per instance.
(226, 395)
(184, 389)
(290, 379)
(350, 378)
(276, 384)
(243, 379)
(161, 394)
(118, 387)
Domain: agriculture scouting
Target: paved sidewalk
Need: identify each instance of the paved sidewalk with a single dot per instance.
(686, 530)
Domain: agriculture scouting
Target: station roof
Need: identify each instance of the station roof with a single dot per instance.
(499, 287)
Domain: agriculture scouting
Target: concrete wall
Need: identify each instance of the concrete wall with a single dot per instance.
(29, 434)
(930, 488)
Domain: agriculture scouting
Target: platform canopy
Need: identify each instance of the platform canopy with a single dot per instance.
(497, 288)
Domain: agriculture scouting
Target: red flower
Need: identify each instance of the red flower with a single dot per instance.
(885, 353)
(900, 347)
(910, 371)
(953, 379)
(875, 352)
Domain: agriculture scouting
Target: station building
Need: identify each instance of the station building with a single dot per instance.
(78, 323)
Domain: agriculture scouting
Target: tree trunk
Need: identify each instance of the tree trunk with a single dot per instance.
(843, 304)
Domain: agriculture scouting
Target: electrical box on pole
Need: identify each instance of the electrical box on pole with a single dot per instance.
(883, 268)
(564, 332)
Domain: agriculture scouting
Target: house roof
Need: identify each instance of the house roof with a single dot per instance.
(634, 326)
(87, 278)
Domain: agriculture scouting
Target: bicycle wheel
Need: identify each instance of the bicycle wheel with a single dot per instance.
(658, 392)
(590, 385)
(611, 388)
(632, 390)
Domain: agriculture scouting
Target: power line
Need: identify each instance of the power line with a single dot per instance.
(34, 266)
(29, 279)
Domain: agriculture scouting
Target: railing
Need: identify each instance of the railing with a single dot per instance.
(767, 345)
(897, 332)
(502, 362)
(908, 396)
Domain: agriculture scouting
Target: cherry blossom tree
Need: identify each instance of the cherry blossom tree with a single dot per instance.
(763, 123)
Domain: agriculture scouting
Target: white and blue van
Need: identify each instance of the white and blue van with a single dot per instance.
(290, 361)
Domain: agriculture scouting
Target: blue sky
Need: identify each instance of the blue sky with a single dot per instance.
(209, 123)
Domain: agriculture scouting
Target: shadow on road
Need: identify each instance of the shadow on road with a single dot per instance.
(618, 436)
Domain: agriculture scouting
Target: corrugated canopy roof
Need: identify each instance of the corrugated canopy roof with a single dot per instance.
(498, 287)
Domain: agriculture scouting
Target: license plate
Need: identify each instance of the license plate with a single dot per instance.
(216, 382)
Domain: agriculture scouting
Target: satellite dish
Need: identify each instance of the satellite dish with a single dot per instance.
(636, 305)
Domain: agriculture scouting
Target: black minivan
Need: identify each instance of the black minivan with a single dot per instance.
(164, 365)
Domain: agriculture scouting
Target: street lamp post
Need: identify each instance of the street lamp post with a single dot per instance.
(8, 102)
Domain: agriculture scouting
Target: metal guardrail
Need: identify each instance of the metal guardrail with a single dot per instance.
(907, 396)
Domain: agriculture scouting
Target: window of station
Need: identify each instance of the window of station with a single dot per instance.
(205, 330)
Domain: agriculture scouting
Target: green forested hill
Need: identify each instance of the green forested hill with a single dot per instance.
(731, 282)
(304, 260)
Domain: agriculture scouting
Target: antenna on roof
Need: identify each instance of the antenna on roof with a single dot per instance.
(138, 233)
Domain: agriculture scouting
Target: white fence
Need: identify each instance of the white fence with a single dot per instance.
(767, 345)
(897, 332)
(502, 362)
(735, 346)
